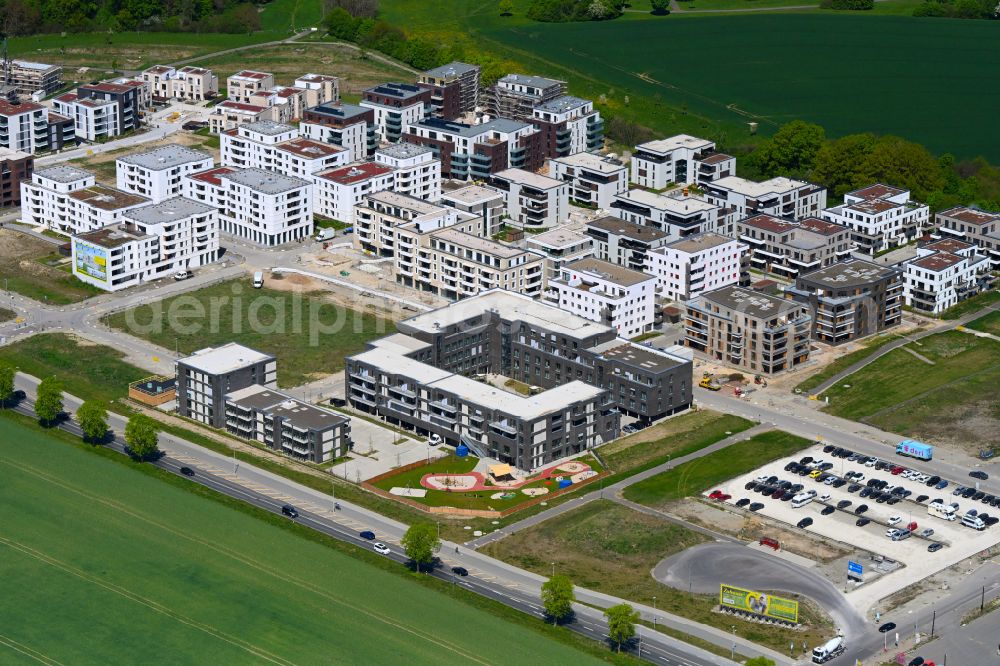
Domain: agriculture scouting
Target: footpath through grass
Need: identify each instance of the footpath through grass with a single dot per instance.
(148, 568)
(977, 302)
(698, 475)
(987, 324)
(872, 345)
(309, 335)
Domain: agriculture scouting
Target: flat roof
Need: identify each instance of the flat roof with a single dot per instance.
(308, 148)
(520, 406)
(557, 238)
(674, 142)
(268, 127)
(700, 242)
(769, 223)
(938, 261)
(406, 201)
(240, 106)
(106, 87)
(529, 80)
(165, 157)
(107, 198)
(27, 64)
(608, 271)
(970, 215)
(753, 303)
(873, 206)
(295, 412)
(310, 77)
(250, 74)
(268, 182)
(529, 178)
(110, 237)
(212, 175)
(715, 158)
(948, 245)
(620, 227)
(472, 194)
(645, 358)
(478, 243)
(818, 226)
(754, 189)
(168, 210)
(10, 108)
(63, 173)
(682, 205)
(500, 125)
(339, 110)
(562, 104)
(592, 161)
(454, 68)
(227, 358)
(853, 272)
(876, 191)
(355, 173)
(402, 91)
(403, 150)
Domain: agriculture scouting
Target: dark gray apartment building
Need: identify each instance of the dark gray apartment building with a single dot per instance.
(850, 300)
(205, 377)
(433, 377)
(624, 243)
(454, 89)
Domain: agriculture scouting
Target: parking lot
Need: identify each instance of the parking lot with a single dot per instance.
(844, 507)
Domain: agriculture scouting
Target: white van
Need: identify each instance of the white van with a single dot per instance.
(973, 521)
(258, 279)
(802, 499)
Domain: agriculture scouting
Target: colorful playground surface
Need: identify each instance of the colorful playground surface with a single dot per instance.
(504, 476)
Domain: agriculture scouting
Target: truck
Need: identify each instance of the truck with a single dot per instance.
(939, 509)
(832, 648)
(325, 234)
(914, 449)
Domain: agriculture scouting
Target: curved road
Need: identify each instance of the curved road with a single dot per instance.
(705, 566)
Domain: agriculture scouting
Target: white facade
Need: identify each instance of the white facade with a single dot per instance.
(781, 197)
(474, 151)
(194, 84)
(277, 147)
(943, 274)
(417, 172)
(23, 127)
(149, 242)
(880, 217)
(229, 114)
(379, 213)
(396, 106)
(336, 192)
(594, 180)
(677, 214)
(158, 174)
(688, 267)
(344, 125)
(93, 119)
(244, 84)
(532, 201)
(656, 164)
(559, 247)
(608, 294)
(68, 200)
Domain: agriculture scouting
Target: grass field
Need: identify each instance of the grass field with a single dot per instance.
(150, 572)
(609, 548)
(953, 401)
(872, 345)
(673, 437)
(27, 269)
(309, 335)
(987, 324)
(701, 474)
(967, 306)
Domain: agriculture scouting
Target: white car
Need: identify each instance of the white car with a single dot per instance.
(872, 462)
(824, 497)
(894, 520)
(434, 439)
(381, 548)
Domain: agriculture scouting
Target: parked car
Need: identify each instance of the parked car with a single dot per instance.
(183, 275)
(926, 532)
(978, 495)
(380, 548)
(861, 522)
(290, 511)
(460, 571)
(921, 498)
(804, 523)
(969, 492)
(742, 502)
(824, 497)
(756, 506)
(827, 511)
(979, 474)
(935, 547)
(843, 504)
(933, 481)
(854, 487)
(715, 494)
(887, 627)
(894, 520)
(959, 490)
(750, 485)
(861, 508)
(787, 495)
(941, 484)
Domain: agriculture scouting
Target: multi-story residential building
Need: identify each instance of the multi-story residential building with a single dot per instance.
(515, 96)
(454, 89)
(678, 215)
(24, 126)
(422, 379)
(483, 202)
(69, 201)
(336, 192)
(265, 207)
(194, 84)
(594, 180)
(696, 264)
(474, 152)
(207, 187)
(749, 330)
(569, 125)
(284, 424)
(319, 89)
(124, 97)
(880, 217)
(532, 201)
(278, 147)
(242, 85)
(396, 107)
(790, 248)
(142, 89)
(607, 293)
(205, 378)
(560, 247)
(416, 172)
(150, 242)
(158, 173)
(624, 243)
(945, 273)
(29, 78)
(850, 300)
(379, 214)
(286, 105)
(679, 159)
(972, 225)
(780, 197)
(229, 114)
(344, 125)
(93, 119)
(62, 131)
(15, 167)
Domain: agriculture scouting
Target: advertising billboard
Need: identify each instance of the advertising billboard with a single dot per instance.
(759, 603)
(91, 260)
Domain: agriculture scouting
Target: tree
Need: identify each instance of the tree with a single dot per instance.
(837, 163)
(342, 25)
(420, 543)
(506, 7)
(6, 383)
(901, 163)
(558, 597)
(93, 420)
(621, 623)
(49, 401)
(759, 661)
(660, 7)
(791, 151)
(141, 435)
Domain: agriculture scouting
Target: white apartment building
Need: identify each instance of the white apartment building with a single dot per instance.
(344, 125)
(319, 89)
(194, 84)
(657, 164)
(971, 225)
(943, 274)
(93, 119)
(559, 247)
(23, 126)
(780, 197)
(608, 294)
(705, 262)
(158, 173)
(148, 243)
(277, 147)
(594, 180)
(378, 214)
(678, 214)
(481, 201)
(396, 107)
(459, 265)
(880, 217)
(242, 85)
(533, 201)
(417, 171)
(569, 125)
(69, 201)
(229, 114)
(337, 191)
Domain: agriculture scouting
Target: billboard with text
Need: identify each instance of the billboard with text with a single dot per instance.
(759, 603)
(91, 260)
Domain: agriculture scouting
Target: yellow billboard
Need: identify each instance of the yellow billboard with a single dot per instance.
(759, 603)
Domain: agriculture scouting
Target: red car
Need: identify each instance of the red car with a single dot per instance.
(724, 497)
(896, 471)
(715, 494)
(912, 526)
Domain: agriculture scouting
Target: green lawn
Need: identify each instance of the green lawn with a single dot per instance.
(149, 572)
(977, 302)
(609, 548)
(26, 269)
(841, 363)
(309, 335)
(953, 401)
(701, 474)
(988, 324)
(85, 369)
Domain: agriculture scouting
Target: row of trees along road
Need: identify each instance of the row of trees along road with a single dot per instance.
(141, 432)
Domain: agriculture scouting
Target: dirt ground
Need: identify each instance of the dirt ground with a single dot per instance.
(103, 164)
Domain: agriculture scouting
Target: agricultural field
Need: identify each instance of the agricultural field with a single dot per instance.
(33, 268)
(309, 333)
(147, 570)
(941, 390)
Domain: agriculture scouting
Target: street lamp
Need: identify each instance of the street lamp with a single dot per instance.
(654, 611)
(553, 568)
(732, 655)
